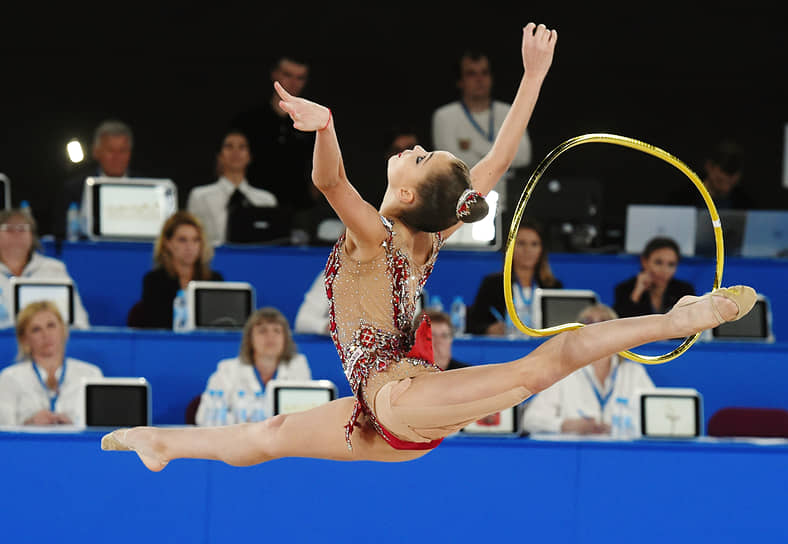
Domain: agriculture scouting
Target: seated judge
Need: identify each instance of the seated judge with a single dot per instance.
(44, 387)
(214, 204)
(442, 339)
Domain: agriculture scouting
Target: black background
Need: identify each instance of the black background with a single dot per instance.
(678, 77)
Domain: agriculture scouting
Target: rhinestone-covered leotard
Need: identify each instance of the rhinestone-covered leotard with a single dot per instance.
(371, 310)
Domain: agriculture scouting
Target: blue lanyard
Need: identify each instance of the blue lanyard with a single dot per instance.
(602, 399)
(526, 301)
(490, 136)
(52, 395)
(260, 378)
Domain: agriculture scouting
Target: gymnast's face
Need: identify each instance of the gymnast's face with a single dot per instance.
(412, 166)
(660, 265)
(268, 339)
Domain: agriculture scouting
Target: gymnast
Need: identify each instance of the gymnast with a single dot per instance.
(403, 405)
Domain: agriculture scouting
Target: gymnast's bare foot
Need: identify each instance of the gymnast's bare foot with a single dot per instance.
(142, 441)
(694, 314)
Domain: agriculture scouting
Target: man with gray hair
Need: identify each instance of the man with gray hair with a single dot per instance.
(112, 145)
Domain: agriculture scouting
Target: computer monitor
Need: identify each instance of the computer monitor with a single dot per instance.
(766, 234)
(115, 402)
(671, 413)
(484, 235)
(5, 192)
(756, 325)
(219, 304)
(27, 290)
(259, 225)
(645, 222)
(733, 223)
(296, 396)
(127, 208)
(551, 307)
(505, 422)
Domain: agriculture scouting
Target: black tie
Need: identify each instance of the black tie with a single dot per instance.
(237, 200)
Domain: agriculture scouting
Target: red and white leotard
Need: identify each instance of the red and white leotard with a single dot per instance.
(371, 311)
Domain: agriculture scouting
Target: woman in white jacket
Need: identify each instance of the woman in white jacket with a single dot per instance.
(267, 352)
(19, 258)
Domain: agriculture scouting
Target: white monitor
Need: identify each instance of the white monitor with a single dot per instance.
(504, 422)
(484, 235)
(551, 307)
(219, 304)
(765, 234)
(667, 412)
(645, 222)
(755, 326)
(115, 402)
(733, 224)
(5, 192)
(27, 290)
(127, 208)
(296, 396)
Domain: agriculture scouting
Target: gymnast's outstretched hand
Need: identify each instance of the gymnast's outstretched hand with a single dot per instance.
(537, 49)
(307, 116)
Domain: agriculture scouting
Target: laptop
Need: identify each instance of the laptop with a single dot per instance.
(131, 209)
(756, 325)
(296, 396)
(115, 402)
(645, 222)
(27, 290)
(733, 228)
(667, 412)
(766, 234)
(219, 304)
(259, 225)
(553, 307)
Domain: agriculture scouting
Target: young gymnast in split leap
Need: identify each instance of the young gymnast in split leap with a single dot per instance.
(403, 405)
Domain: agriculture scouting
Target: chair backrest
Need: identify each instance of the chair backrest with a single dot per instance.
(755, 422)
(190, 416)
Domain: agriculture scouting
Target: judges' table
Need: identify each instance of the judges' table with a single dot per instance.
(62, 488)
(178, 365)
(109, 275)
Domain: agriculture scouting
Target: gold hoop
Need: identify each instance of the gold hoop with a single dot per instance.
(526, 195)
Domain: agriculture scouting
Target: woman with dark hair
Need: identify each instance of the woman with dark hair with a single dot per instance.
(654, 290)
(530, 269)
(181, 254)
(403, 405)
(267, 352)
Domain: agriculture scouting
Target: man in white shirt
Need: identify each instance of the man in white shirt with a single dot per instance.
(312, 317)
(468, 126)
(210, 202)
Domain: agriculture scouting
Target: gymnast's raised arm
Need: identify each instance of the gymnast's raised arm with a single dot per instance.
(537, 51)
(328, 172)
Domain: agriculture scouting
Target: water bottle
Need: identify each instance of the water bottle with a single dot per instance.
(221, 408)
(210, 416)
(24, 206)
(621, 420)
(259, 412)
(243, 412)
(436, 303)
(4, 316)
(72, 223)
(458, 312)
(179, 312)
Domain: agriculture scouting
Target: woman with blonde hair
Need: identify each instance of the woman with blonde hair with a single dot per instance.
(181, 254)
(267, 352)
(44, 386)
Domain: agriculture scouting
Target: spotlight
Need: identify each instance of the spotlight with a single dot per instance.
(74, 150)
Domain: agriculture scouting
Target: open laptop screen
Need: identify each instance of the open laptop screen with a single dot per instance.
(62, 295)
(133, 209)
(292, 398)
(116, 405)
(223, 308)
(559, 306)
(667, 415)
(754, 325)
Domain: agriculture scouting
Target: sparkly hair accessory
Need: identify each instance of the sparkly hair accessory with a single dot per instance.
(468, 197)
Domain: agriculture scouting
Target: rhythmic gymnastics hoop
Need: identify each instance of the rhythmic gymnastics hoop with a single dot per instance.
(520, 211)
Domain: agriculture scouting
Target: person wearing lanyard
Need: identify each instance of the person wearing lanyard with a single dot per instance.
(530, 269)
(582, 403)
(267, 351)
(44, 387)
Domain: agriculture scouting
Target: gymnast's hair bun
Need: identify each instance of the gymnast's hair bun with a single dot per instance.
(471, 206)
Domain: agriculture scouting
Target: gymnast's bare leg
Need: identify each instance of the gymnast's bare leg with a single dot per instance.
(317, 433)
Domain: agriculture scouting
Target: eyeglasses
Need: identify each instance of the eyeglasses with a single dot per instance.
(16, 227)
